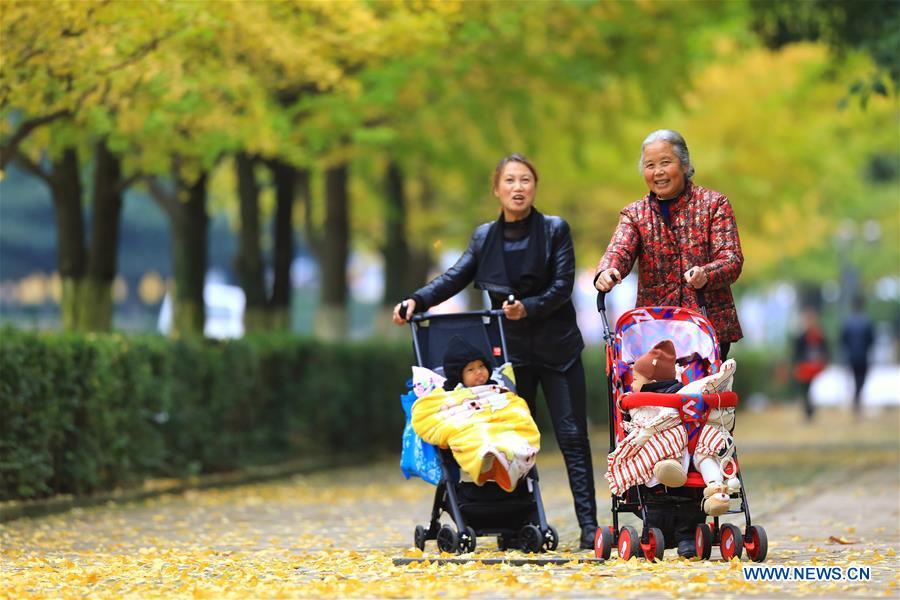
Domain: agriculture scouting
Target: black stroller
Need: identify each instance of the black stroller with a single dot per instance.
(516, 518)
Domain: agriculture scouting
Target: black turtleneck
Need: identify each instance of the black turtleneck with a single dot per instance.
(515, 247)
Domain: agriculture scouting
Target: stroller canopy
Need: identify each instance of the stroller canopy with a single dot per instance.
(638, 330)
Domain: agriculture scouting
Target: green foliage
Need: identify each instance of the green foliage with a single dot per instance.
(870, 26)
(80, 414)
(446, 88)
(766, 373)
(36, 415)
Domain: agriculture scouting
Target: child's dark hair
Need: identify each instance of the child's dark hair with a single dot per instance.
(458, 354)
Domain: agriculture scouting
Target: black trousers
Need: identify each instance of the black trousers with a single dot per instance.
(724, 347)
(808, 409)
(860, 370)
(677, 523)
(566, 398)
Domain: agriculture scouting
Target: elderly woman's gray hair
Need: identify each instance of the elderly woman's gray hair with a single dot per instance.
(678, 145)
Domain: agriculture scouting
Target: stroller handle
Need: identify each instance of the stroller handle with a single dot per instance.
(404, 306)
(719, 400)
(601, 296)
(701, 301)
(601, 308)
(415, 320)
(471, 313)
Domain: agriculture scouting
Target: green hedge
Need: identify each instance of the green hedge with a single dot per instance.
(79, 414)
(85, 413)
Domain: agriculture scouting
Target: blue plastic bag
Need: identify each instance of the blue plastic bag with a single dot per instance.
(417, 457)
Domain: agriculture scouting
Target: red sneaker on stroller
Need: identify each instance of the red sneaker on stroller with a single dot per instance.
(697, 356)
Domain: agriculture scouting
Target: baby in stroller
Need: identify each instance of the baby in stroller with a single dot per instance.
(654, 449)
(488, 427)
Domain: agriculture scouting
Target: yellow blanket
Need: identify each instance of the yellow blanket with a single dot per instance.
(488, 428)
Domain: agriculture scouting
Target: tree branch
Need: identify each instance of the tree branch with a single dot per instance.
(167, 200)
(33, 168)
(10, 148)
(126, 183)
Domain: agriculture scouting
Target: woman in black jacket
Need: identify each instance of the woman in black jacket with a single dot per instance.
(529, 255)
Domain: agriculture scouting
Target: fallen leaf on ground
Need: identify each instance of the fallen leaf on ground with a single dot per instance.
(841, 540)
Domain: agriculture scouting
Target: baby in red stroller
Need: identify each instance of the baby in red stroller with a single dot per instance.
(656, 425)
(654, 450)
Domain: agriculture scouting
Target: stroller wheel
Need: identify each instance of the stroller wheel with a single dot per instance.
(655, 546)
(551, 539)
(448, 540)
(756, 543)
(603, 542)
(703, 541)
(629, 542)
(467, 540)
(502, 543)
(731, 543)
(530, 539)
(420, 537)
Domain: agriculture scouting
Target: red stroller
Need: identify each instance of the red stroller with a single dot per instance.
(697, 352)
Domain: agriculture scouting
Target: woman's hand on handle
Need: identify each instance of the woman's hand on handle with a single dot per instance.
(695, 277)
(608, 279)
(514, 310)
(410, 309)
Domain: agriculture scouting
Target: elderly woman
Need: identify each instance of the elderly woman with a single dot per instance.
(529, 255)
(684, 236)
(686, 239)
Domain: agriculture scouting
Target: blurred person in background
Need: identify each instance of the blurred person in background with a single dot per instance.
(686, 239)
(810, 356)
(683, 235)
(857, 337)
(530, 256)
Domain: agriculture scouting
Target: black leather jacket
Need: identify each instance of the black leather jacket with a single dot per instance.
(549, 335)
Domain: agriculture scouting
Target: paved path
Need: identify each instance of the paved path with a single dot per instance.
(828, 494)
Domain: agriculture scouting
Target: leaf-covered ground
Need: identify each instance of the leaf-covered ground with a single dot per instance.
(827, 494)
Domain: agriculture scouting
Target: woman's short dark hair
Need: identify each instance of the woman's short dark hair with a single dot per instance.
(514, 157)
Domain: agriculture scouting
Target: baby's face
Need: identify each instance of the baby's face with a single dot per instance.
(638, 381)
(475, 373)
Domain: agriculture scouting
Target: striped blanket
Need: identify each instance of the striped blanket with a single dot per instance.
(656, 434)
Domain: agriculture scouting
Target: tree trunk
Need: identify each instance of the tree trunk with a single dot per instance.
(332, 320)
(286, 178)
(95, 305)
(397, 281)
(304, 194)
(190, 225)
(421, 261)
(249, 260)
(65, 187)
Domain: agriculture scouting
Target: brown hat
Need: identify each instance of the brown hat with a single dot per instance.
(659, 363)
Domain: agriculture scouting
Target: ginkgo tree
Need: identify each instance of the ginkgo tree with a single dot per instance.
(549, 79)
(61, 70)
(399, 110)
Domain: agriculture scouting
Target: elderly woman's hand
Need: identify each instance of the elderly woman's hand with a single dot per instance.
(695, 277)
(514, 310)
(607, 280)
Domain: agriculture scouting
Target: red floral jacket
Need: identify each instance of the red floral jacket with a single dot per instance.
(702, 233)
